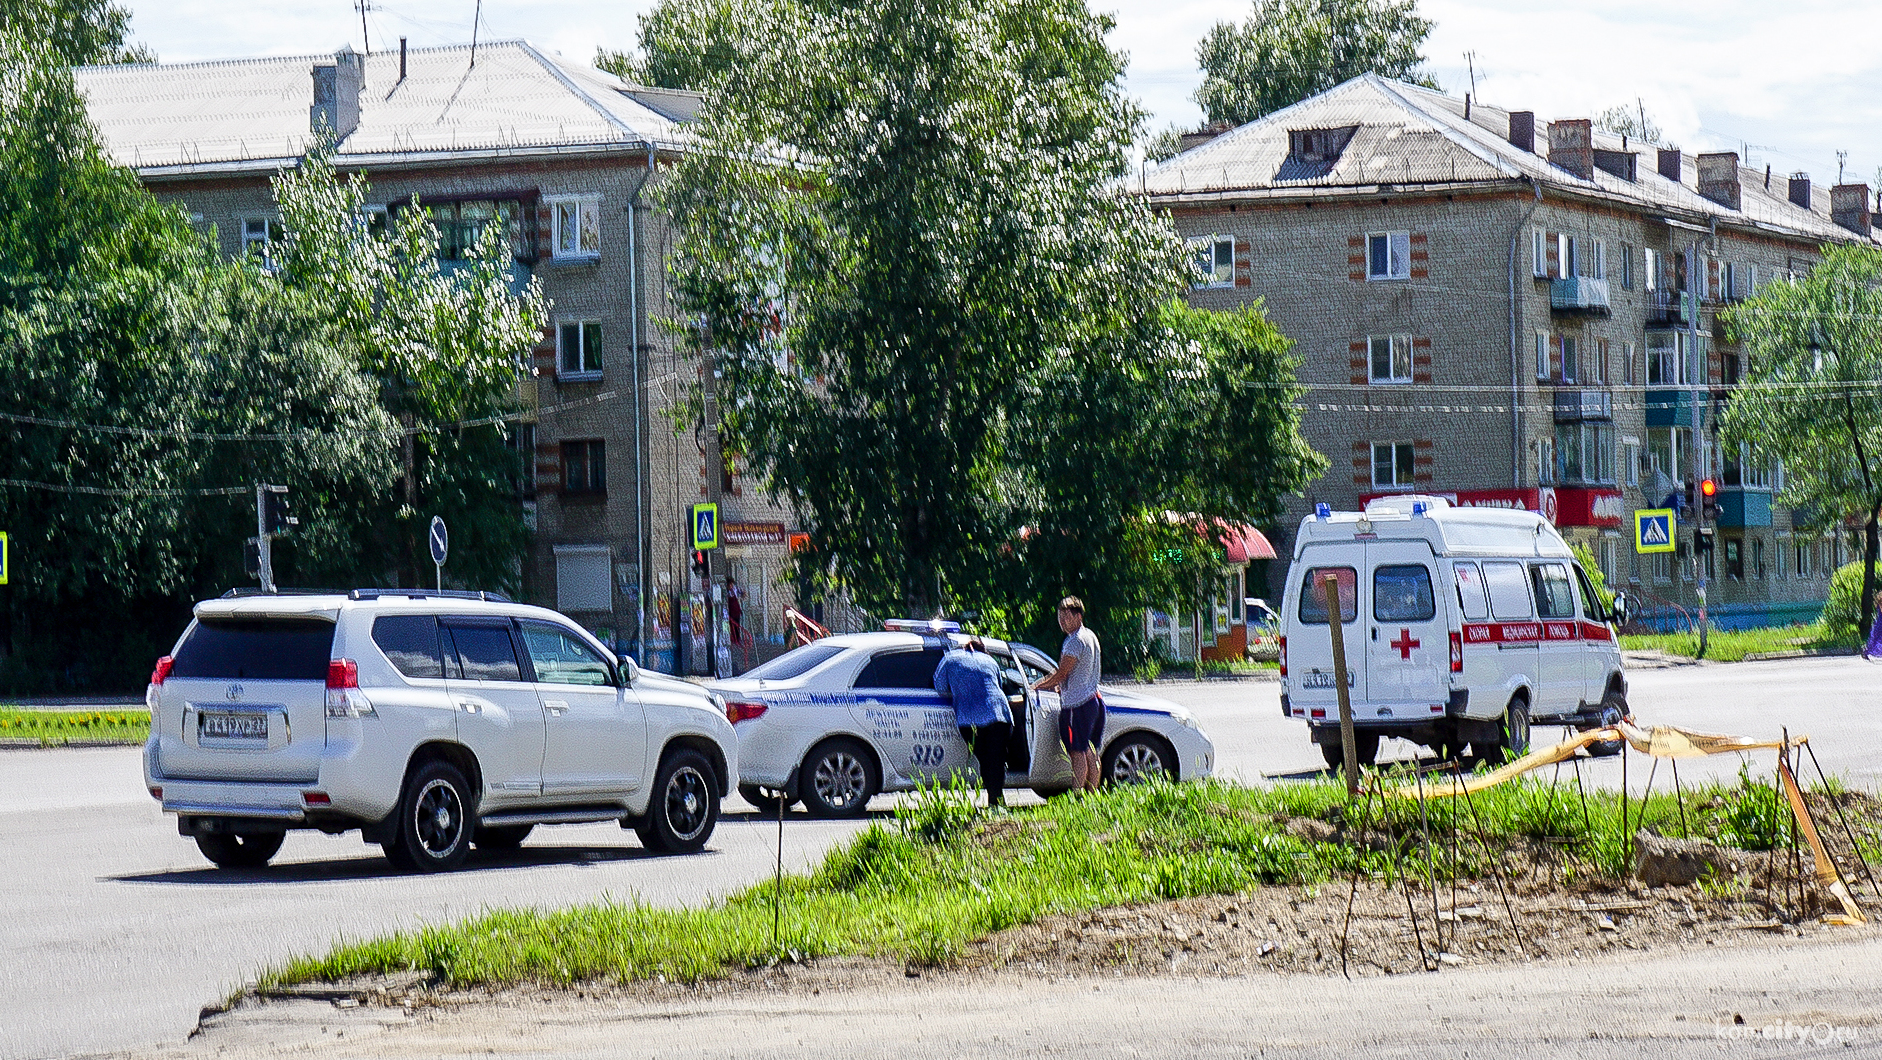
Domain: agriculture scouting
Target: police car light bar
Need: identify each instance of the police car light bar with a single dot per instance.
(920, 625)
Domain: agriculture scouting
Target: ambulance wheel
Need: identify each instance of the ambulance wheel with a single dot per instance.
(1365, 745)
(1613, 709)
(1513, 737)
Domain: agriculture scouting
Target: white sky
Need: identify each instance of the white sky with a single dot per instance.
(1797, 81)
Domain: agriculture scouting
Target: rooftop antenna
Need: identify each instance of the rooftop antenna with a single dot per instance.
(475, 19)
(1641, 102)
(1841, 157)
(1470, 61)
(365, 38)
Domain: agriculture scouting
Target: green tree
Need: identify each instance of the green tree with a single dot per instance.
(1289, 50)
(690, 44)
(76, 31)
(1630, 121)
(939, 332)
(1809, 394)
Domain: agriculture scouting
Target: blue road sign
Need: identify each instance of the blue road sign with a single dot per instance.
(440, 539)
(1653, 530)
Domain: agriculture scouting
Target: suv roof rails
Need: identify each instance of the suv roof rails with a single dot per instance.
(420, 594)
(256, 590)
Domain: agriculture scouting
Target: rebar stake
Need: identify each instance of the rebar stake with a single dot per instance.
(1431, 873)
(1372, 785)
(1496, 871)
(1679, 794)
(1847, 830)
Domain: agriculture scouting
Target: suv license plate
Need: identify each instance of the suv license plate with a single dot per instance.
(233, 726)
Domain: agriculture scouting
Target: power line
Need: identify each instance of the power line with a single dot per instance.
(103, 491)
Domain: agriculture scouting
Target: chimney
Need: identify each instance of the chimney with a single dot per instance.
(1571, 146)
(1800, 189)
(1466, 106)
(401, 60)
(1523, 129)
(1849, 207)
(1718, 178)
(1669, 164)
(336, 94)
(1622, 164)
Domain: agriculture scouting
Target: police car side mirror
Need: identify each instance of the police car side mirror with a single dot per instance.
(630, 670)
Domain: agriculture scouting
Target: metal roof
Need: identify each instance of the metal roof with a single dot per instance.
(248, 115)
(1409, 137)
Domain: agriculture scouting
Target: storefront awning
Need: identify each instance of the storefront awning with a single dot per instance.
(1245, 544)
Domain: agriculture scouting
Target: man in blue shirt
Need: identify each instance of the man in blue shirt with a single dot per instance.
(971, 679)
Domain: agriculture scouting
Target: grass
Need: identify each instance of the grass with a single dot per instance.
(1734, 645)
(922, 887)
(54, 727)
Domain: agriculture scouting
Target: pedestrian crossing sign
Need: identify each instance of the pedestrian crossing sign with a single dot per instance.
(1653, 530)
(705, 526)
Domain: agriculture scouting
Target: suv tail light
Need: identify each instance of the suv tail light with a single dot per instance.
(344, 699)
(1283, 643)
(1457, 652)
(162, 671)
(736, 712)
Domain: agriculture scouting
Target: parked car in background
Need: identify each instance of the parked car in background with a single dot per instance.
(429, 722)
(847, 717)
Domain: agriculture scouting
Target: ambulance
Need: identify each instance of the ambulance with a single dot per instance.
(1462, 627)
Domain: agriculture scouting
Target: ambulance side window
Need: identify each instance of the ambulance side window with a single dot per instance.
(1555, 595)
(1509, 590)
(1313, 600)
(1402, 593)
(1591, 604)
(1470, 591)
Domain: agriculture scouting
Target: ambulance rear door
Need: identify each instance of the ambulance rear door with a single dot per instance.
(1310, 679)
(1407, 635)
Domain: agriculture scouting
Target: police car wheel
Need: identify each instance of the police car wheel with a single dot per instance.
(1365, 745)
(1137, 759)
(1613, 709)
(838, 779)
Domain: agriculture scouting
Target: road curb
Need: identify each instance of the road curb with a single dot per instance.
(16, 744)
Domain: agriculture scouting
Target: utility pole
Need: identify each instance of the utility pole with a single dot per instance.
(1700, 372)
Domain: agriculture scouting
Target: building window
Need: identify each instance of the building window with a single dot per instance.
(523, 440)
(1734, 559)
(1584, 452)
(1594, 261)
(1627, 363)
(1565, 255)
(259, 235)
(1571, 359)
(1598, 365)
(1632, 463)
(1391, 358)
(576, 227)
(1627, 267)
(1542, 355)
(1757, 557)
(1650, 269)
(1391, 464)
(1538, 253)
(578, 349)
(1388, 256)
(584, 467)
(1545, 461)
(1663, 360)
(1215, 261)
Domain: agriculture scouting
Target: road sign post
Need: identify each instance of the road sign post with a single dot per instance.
(440, 541)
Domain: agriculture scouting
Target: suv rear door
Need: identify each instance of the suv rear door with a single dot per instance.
(246, 699)
(499, 716)
(596, 732)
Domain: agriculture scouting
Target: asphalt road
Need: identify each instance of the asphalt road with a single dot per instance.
(114, 931)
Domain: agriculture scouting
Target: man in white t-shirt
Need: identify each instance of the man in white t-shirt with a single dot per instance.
(1081, 709)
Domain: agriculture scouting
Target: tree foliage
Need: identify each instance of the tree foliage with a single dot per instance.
(1288, 50)
(940, 335)
(1813, 388)
(77, 32)
(1633, 121)
(689, 44)
(146, 384)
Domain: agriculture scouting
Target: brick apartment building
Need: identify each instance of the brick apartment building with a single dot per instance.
(563, 156)
(1500, 312)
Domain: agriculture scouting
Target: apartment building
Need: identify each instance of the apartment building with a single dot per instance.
(563, 157)
(1503, 313)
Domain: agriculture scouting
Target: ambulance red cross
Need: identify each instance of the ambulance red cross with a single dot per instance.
(1463, 628)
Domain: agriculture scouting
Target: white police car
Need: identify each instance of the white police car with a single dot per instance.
(857, 714)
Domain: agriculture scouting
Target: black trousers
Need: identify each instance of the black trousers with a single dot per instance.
(989, 744)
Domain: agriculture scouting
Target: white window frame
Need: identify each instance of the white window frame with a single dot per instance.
(1649, 269)
(582, 370)
(1545, 461)
(1542, 355)
(1565, 255)
(1393, 448)
(1539, 253)
(1571, 359)
(1395, 347)
(1628, 376)
(1633, 461)
(271, 231)
(1397, 256)
(586, 212)
(1220, 273)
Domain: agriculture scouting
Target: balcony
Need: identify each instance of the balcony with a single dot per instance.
(1674, 408)
(1744, 506)
(1579, 295)
(1668, 309)
(1583, 406)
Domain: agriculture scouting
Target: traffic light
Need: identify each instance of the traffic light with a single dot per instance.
(278, 511)
(1702, 540)
(1709, 500)
(699, 562)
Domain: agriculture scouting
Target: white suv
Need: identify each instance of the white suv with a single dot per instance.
(428, 721)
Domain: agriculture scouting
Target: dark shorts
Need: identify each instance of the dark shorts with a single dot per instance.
(1082, 727)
